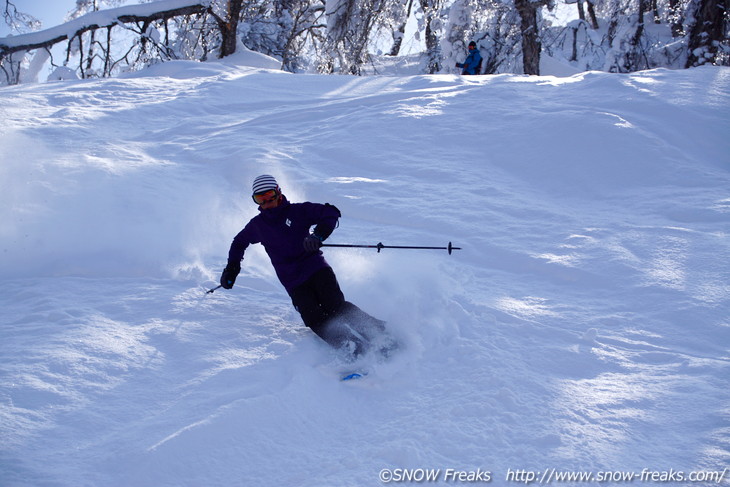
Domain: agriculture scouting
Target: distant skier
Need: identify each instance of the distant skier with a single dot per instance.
(473, 62)
(283, 228)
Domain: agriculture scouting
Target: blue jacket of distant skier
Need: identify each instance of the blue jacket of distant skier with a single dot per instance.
(281, 231)
(471, 63)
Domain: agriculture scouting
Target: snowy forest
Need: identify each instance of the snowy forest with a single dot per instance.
(103, 38)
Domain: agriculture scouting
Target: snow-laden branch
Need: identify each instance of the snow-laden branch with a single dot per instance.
(163, 9)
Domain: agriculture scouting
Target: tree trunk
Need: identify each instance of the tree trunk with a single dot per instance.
(433, 48)
(655, 10)
(675, 18)
(92, 41)
(400, 32)
(574, 51)
(229, 28)
(592, 15)
(530, 40)
(634, 53)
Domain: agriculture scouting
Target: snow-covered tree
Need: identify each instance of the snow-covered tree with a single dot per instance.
(497, 28)
(341, 36)
(292, 30)
(433, 26)
(709, 35)
(99, 55)
(351, 26)
(460, 28)
(395, 19)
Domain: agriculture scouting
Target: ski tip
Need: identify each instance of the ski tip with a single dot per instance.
(354, 375)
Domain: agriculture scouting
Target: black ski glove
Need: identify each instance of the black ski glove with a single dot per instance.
(228, 278)
(312, 243)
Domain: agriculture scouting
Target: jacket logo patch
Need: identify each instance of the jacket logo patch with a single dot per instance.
(288, 222)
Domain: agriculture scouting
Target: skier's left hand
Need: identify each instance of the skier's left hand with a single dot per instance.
(312, 243)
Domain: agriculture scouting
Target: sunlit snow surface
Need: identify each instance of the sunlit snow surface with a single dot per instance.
(585, 325)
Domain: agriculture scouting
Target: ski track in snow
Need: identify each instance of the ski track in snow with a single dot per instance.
(584, 325)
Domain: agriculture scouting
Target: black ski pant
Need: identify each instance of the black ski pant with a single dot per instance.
(323, 308)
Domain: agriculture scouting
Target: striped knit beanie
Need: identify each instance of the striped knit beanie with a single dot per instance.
(264, 183)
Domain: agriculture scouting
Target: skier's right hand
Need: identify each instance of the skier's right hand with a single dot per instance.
(228, 278)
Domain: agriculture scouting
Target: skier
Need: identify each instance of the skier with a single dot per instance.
(283, 228)
(473, 62)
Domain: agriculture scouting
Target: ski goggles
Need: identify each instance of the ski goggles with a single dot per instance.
(265, 197)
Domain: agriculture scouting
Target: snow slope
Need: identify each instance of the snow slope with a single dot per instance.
(583, 327)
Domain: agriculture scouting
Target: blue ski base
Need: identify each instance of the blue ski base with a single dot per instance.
(354, 375)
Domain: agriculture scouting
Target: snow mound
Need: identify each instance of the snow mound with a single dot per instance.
(582, 327)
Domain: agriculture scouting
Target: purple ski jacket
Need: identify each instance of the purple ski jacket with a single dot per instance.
(281, 231)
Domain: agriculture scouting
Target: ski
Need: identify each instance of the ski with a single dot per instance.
(354, 375)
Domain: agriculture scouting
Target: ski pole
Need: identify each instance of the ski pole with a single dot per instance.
(380, 246)
(211, 290)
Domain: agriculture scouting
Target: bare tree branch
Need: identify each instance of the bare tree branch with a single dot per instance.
(36, 40)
